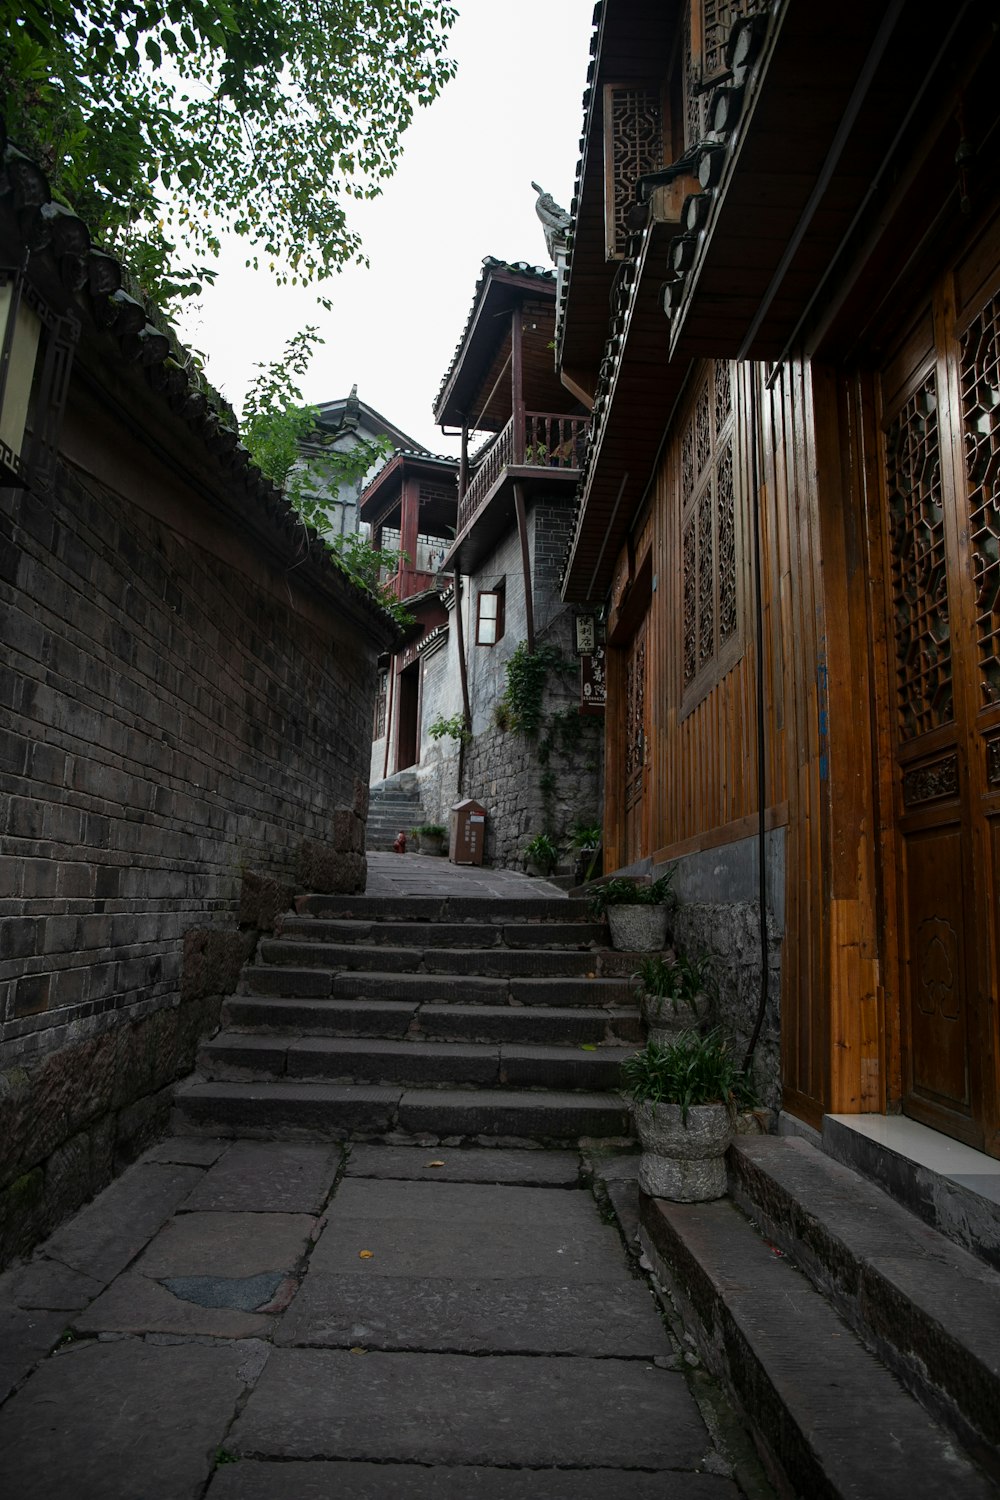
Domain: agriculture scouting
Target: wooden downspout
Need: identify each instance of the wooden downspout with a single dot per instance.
(517, 404)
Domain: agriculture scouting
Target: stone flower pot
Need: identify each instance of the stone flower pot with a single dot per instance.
(638, 929)
(666, 1018)
(683, 1162)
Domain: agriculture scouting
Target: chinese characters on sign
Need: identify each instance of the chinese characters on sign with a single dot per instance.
(593, 682)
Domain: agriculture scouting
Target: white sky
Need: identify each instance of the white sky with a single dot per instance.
(462, 191)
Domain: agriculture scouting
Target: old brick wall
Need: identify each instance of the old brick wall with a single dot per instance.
(177, 710)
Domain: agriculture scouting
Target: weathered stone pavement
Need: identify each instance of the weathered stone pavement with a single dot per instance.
(235, 1320)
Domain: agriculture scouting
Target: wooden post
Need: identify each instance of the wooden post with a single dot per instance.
(522, 531)
(409, 526)
(463, 670)
(517, 384)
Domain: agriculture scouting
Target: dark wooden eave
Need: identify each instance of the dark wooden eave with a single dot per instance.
(496, 517)
(837, 104)
(632, 45)
(634, 405)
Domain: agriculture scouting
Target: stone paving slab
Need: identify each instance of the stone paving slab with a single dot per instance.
(195, 1151)
(268, 1177)
(480, 1249)
(47, 1283)
(452, 1408)
(489, 1165)
(228, 1245)
(462, 1202)
(476, 1316)
(26, 1336)
(120, 1421)
(247, 1480)
(103, 1237)
(137, 1304)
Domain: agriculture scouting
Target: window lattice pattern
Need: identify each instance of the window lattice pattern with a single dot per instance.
(635, 146)
(919, 578)
(981, 410)
(708, 527)
(718, 20)
(635, 710)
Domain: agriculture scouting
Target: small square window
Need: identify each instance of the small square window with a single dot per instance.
(490, 617)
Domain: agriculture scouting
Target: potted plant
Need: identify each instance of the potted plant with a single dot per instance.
(431, 837)
(675, 993)
(638, 915)
(684, 1099)
(585, 838)
(540, 855)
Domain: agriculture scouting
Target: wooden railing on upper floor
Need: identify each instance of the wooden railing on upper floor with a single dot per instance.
(549, 441)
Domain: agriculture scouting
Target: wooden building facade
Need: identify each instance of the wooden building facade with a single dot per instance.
(788, 510)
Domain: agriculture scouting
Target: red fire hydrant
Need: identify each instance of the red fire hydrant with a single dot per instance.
(399, 843)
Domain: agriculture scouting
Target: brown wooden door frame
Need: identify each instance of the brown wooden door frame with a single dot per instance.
(938, 860)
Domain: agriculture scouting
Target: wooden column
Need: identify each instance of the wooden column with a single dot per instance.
(517, 384)
(522, 531)
(463, 670)
(409, 523)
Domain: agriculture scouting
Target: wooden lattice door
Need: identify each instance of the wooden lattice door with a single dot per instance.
(942, 528)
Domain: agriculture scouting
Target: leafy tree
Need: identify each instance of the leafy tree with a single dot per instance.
(166, 123)
(276, 423)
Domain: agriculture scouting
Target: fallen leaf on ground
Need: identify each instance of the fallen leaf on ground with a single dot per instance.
(587, 1047)
(433, 1163)
(365, 1254)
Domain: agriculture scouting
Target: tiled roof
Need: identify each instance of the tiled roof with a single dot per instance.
(93, 280)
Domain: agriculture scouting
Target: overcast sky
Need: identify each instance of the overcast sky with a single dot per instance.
(462, 191)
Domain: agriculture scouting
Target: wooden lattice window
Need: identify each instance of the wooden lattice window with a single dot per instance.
(981, 412)
(710, 612)
(378, 728)
(633, 145)
(708, 25)
(921, 618)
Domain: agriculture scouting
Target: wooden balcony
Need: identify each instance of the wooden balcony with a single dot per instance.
(547, 441)
(407, 581)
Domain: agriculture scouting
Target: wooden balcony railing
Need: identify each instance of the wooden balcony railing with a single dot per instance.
(549, 441)
(407, 581)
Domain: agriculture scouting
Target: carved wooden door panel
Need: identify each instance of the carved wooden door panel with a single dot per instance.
(942, 403)
(636, 744)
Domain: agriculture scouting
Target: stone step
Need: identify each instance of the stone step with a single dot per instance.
(930, 1309)
(371, 984)
(284, 951)
(534, 1025)
(571, 935)
(497, 910)
(236, 1055)
(835, 1420)
(335, 1111)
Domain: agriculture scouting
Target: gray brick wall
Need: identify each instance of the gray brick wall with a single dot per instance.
(171, 717)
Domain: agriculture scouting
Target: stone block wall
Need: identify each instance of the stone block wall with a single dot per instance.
(178, 710)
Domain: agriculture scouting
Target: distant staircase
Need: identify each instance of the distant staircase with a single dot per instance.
(394, 807)
(423, 1018)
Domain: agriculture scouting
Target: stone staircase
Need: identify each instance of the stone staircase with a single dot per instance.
(423, 1018)
(393, 806)
(862, 1343)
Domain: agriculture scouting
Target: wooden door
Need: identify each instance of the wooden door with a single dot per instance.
(635, 758)
(941, 436)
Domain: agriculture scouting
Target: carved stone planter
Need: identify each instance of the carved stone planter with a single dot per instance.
(683, 1162)
(664, 1023)
(638, 929)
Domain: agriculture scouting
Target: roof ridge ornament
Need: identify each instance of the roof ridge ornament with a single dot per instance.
(556, 223)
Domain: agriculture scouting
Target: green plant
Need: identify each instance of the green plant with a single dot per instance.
(455, 727)
(526, 676)
(542, 851)
(693, 1070)
(501, 716)
(622, 891)
(429, 831)
(679, 980)
(586, 839)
